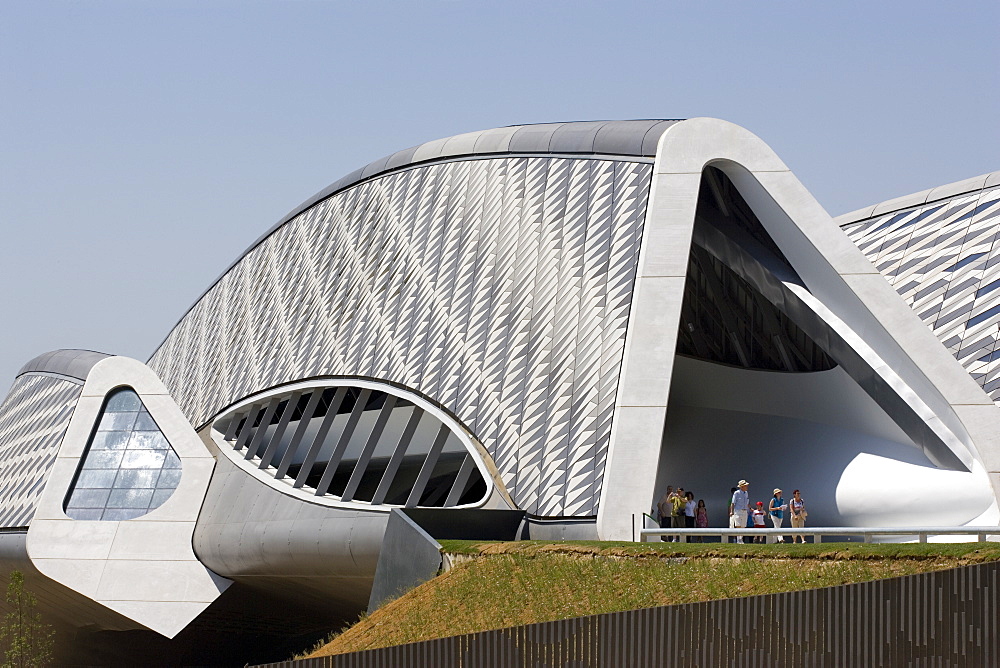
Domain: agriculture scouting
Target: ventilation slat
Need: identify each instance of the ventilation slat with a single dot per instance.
(468, 466)
(331, 414)
(370, 444)
(265, 422)
(248, 430)
(234, 424)
(373, 438)
(345, 438)
(300, 432)
(428, 467)
(279, 432)
(397, 456)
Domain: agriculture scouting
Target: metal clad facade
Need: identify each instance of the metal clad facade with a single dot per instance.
(944, 259)
(498, 288)
(944, 617)
(33, 419)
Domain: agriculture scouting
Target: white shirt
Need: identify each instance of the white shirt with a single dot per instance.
(741, 500)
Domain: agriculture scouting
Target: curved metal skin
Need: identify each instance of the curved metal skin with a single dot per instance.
(304, 441)
(633, 139)
(74, 364)
(928, 196)
(507, 310)
(256, 535)
(936, 248)
(497, 380)
(524, 286)
(274, 536)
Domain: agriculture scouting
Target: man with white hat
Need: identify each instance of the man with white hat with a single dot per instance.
(740, 506)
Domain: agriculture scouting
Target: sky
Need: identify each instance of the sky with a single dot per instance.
(144, 145)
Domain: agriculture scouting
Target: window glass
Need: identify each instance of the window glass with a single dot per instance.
(128, 468)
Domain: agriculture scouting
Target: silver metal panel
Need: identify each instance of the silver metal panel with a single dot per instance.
(342, 182)
(854, 216)
(375, 167)
(533, 138)
(429, 150)
(33, 420)
(942, 257)
(652, 137)
(957, 188)
(942, 192)
(400, 158)
(495, 141)
(484, 143)
(905, 202)
(467, 281)
(623, 137)
(575, 137)
(72, 363)
(248, 529)
(464, 144)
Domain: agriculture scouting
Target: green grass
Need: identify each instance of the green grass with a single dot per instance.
(973, 551)
(508, 584)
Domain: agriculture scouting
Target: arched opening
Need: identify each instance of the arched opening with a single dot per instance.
(764, 388)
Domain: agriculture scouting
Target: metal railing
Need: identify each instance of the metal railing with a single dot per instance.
(867, 533)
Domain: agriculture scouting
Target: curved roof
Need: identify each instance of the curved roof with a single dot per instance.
(946, 191)
(71, 363)
(632, 139)
(622, 138)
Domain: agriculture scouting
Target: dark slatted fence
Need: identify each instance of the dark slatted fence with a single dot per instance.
(944, 618)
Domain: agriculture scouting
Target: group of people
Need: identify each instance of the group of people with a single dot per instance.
(740, 510)
(678, 509)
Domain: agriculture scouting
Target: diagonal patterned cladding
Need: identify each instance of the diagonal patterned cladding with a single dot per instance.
(944, 259)
(33, 420)
(499, 288)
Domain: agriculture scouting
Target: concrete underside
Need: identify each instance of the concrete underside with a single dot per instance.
(818, 432)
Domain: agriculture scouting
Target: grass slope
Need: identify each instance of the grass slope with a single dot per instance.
(496, 585)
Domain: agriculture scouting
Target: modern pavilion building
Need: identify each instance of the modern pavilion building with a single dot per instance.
(545, 322)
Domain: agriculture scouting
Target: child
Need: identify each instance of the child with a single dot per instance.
(758, 520)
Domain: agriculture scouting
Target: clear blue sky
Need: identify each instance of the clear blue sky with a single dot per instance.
(144, 145)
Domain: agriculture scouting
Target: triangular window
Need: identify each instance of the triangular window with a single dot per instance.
(128, 468)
